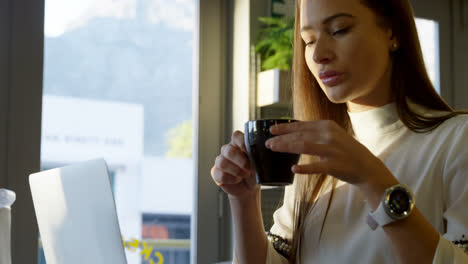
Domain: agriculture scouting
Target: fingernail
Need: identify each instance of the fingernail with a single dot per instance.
(268, 143)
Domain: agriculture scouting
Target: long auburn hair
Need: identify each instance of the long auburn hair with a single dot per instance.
(409, 80)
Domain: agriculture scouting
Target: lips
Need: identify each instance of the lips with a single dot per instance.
(330, 78)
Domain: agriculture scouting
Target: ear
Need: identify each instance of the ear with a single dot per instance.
(393, 42)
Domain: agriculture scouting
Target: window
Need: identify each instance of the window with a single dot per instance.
(428, 32)
(118, 84)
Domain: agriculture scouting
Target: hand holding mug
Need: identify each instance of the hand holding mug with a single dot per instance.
(233, 171)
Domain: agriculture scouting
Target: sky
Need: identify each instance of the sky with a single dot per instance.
(62, 16)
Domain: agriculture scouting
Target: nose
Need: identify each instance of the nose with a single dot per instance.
(322, 52)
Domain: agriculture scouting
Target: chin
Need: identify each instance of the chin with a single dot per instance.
(337, 94)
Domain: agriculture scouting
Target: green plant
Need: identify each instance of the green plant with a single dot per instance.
(275, 44)
(179, 140)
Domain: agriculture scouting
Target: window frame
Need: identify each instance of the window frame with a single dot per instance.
(21, 49)
(459, 21)
(441, 11)
(211, 96)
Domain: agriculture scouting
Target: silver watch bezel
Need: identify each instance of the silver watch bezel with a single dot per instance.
(386, 201)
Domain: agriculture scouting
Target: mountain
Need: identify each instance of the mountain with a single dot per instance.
(126, 60)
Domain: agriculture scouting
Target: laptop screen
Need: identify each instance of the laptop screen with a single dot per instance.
(76, 214)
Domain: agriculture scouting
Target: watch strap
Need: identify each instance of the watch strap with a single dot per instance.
(379, 217)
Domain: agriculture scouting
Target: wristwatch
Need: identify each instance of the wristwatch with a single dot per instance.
(397, 204)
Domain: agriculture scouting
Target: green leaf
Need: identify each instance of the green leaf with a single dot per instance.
(275, 42)
(272, 21)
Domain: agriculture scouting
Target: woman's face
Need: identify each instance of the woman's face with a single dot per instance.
(347, 51)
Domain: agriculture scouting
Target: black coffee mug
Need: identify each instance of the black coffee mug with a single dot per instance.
(272, 168)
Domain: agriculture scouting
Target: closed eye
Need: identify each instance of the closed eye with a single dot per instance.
(341, 31)
(335, 33)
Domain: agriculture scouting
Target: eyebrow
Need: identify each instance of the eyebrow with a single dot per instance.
(328, 20)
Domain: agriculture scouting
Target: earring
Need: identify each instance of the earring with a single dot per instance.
(394, 46)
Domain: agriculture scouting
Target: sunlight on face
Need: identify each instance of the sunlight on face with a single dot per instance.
(346, 51)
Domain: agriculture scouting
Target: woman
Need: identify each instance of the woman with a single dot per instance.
(371, 121)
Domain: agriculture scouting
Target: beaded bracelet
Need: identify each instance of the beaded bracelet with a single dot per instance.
(280, 244)
(463, 244)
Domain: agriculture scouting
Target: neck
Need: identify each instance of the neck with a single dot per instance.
(377, 97)
(356, 107)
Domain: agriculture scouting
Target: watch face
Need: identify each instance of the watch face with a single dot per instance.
(399, 201)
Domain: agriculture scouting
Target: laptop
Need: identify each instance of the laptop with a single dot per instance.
(76, 214)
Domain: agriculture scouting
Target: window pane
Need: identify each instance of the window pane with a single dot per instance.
(428, 32)
(118, 85)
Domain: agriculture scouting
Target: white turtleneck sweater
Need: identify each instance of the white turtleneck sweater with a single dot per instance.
(434, 165)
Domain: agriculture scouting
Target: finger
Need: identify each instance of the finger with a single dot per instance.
(316, 137)
(237, 139)
(228, 166)
(286, 128)
(230, 188)
(301, 147)
(311, 168)
(251, 182)
(238, 188)
(296, 136)
(235, 155)
(220, 177)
